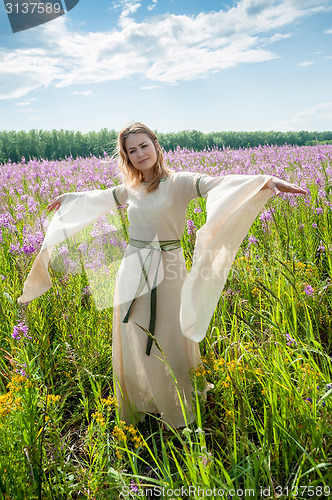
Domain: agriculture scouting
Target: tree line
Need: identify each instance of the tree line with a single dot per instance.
(61, 144)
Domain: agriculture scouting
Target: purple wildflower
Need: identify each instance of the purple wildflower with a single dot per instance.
(15, 248)
(86, 291)
(290, 340)
(63, 250)
(309, 290)
(133, 486)
(7, 221)
(22, 372)
(64, 279)
(252, 240)
(197, 210)
(266, 215)
(83, 247)
(28, 248)
(191, 228)
(16, 334)
(32, 204)
(20, 329)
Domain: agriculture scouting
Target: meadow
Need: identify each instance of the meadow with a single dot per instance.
(265, 429)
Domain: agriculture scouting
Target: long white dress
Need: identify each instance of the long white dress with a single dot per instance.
(160, 382)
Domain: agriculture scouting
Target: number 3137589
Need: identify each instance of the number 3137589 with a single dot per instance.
(32, 8)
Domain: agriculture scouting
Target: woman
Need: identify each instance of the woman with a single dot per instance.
(160, 312)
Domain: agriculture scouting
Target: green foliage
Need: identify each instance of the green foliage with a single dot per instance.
(54, 145)
(61, 144)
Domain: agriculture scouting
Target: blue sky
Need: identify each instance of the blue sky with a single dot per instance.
(172, 64)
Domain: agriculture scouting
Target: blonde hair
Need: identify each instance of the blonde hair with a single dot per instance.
(133, 176)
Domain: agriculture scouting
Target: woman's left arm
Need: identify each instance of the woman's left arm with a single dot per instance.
(279, 186)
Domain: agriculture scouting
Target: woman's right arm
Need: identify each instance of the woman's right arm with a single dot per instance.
(100, 197)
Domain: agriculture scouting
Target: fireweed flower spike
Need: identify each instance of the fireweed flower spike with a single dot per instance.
(191, 228)
(19, 330)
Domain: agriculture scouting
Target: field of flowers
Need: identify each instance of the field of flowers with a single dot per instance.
(265, 430)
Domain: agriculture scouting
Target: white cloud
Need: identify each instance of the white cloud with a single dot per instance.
(161, 49)
(328, 32)
(82, 92)
(312, 118)
(305, 63)
(27, 102)
(152, 6)
(24, 70)
(27, 110)
(279, 36)
(151, 87)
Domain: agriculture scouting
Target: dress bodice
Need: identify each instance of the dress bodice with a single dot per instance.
(161, 213)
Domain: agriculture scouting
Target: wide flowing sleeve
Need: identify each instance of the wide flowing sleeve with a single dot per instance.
(233, 203)
(76, 212)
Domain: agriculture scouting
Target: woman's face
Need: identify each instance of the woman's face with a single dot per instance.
(142, 153)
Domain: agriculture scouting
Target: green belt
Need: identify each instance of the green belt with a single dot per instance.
(152, 245)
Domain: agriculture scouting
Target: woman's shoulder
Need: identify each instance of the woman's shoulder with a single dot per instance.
(186, 184)
(185, 176)
(120, 193)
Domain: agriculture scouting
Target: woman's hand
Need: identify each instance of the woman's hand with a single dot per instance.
(54, 205)
(279, 186)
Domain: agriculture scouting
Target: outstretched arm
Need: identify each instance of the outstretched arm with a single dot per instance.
(279, 186)
(65, 197)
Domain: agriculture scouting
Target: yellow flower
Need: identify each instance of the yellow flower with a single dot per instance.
(9, 402)
(52, 399)
(16, 383)
(110, 401)
(200, 371)
(124, 433)
(224, 384)
(98, 417)
(119, 434)
(229, 415)
(219, 363)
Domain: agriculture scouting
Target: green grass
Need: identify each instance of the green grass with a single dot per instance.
(266, 424)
